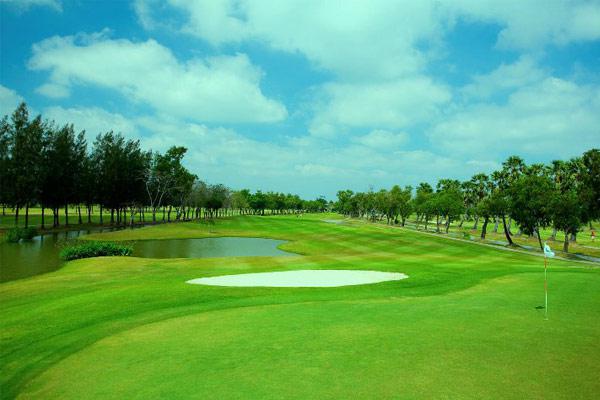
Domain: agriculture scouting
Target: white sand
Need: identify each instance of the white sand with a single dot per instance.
(302, 278)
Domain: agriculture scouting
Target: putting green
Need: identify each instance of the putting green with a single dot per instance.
(464, 325)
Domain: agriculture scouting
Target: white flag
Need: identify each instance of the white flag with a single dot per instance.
(548, 251)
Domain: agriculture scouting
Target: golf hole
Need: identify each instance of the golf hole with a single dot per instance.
(302, 278)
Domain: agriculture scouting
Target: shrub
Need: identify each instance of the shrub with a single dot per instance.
(28, 233)
(95, 249)
(13, 235)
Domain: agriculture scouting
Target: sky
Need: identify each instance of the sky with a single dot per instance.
(311, 97)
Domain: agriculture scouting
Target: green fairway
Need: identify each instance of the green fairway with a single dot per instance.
(465, 324)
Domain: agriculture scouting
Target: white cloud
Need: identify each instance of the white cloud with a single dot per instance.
(304, 165)
(554, 118)
(224, 88)
(523, 72)
(357, 39)
(9, 100)
(378, 51)
(537, 23)
(53, 90)
(93, 120)
(395, 104)
(354, 39)
(382, 140)
(24, 5)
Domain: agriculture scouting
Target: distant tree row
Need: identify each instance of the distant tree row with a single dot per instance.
(45, 165)
(564, 195)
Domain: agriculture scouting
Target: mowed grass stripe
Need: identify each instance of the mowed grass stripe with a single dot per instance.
(48, 318)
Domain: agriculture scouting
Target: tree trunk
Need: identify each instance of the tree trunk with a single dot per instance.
(66, 215)
(553, 235)
(509, 225)
(448, 225)
(89, 214)
(169, 214)
(476, 222)
(16, 216)
(566, 242)
(79, 212)
(484, 227)
(26, 215)
(101, 218)
(539, 239)
(496, 223)
(510, 242)
(437, 223)
(43, 225)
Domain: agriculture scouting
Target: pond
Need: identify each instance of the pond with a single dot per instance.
(41, 254)
(208, 247)
(36, 256)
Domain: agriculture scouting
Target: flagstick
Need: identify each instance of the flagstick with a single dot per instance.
(545, 288)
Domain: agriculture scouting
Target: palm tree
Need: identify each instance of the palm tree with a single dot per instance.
(514, 167)
(500, 179)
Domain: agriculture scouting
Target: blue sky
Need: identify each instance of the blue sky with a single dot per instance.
(314, 96)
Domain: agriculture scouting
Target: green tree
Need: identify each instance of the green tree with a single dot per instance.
(590, 180)
(501, 185)
(240, 199)
(5, 163)
(449, 203)
(567, 214)
(476, 189)
(493, 205)
(422, 204)
(161, 176)
(25, 138)
(530, 199)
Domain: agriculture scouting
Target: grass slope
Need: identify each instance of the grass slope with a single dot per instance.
(464, 325)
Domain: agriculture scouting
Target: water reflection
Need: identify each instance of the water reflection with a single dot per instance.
(209, 247)
(38, 255)
(41, 254)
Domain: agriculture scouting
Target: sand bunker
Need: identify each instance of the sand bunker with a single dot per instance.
(302, 278)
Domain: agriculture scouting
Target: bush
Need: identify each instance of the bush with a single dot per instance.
(13, 235)
(28, 233)
(95, 249)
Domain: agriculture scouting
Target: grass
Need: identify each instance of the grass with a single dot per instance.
(464, 325)
(584, 244)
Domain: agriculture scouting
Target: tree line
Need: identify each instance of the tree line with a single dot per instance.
(564, 195)
(50, 166)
